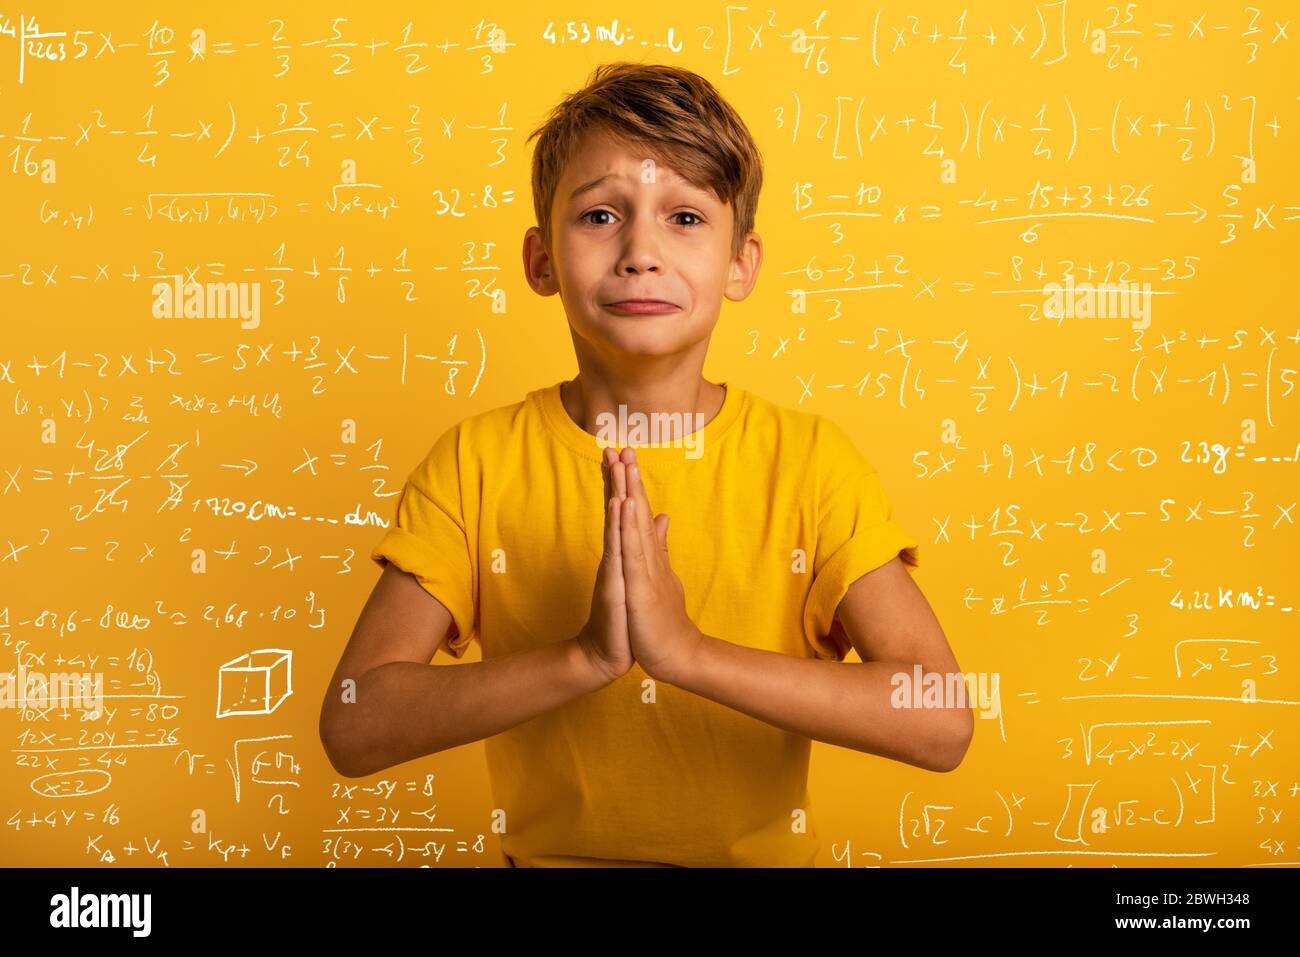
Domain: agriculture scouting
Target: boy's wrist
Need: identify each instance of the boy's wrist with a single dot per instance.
(683, 666)
(591, 674)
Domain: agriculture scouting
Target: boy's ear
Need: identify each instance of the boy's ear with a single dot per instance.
(744, 268)
(539, 268)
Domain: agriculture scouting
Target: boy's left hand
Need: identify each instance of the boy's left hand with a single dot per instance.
(663, 637)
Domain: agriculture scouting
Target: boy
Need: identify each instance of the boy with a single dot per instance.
(665, 715)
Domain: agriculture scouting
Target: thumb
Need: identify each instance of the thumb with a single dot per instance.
(661, 526)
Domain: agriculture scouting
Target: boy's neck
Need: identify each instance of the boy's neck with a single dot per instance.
(586, 401)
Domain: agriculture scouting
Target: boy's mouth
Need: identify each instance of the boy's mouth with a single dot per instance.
(640, 307)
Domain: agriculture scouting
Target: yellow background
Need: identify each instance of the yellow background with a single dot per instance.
(1053, 552)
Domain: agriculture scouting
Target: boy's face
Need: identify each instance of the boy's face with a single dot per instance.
(641, 232)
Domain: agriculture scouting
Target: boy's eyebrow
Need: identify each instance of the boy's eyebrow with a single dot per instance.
(589, 185)
(592, 184)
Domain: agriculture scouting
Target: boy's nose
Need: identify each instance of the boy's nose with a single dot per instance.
(636, 267)
(641, 252)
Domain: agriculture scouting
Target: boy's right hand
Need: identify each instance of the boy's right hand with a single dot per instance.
(604, 637)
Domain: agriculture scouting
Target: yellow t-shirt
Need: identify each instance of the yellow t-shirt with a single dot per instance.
(774, 514)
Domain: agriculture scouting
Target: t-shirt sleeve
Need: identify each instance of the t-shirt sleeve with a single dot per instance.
(856, 533)
(428, 537)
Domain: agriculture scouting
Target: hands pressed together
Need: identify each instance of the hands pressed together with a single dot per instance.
(638, 609)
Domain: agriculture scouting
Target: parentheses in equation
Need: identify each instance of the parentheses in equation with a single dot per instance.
(1133, 380)
(482, 362)
(1114, 120)
(902, 812)
(726, 54)
(1227, 385)
(1079, 834)
(1065, 50)
(1006, 807)
(965, 126)
(401, 848)
(1268, 387)
(1179, 792)
(798, 116)
(1074, 127)
(231, 135)
(1042, 31)
(979, 128)
(338, 843)
(90, 406)
(1210, 113)
(857, 126)
(875, 29)
(1015, 395)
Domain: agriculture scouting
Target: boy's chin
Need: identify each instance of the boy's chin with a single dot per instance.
(644, 342)
(640, 335)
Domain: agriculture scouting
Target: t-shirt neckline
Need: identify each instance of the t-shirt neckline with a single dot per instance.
(587, 445)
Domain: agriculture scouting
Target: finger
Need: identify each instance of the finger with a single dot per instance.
(613, 554)
(661, 529)
(608, 546)
(620, 478)
(607, 456)
(635, 571)
(616, 542)
(613, 516)
(609, 529)
(636, 490)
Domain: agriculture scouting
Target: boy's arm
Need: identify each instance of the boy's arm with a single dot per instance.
(849, 704)
(405, 707)
(889, 622)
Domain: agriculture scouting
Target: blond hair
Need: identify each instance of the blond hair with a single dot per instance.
(675, 116)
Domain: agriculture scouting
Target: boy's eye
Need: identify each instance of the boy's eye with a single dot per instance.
(605, 212)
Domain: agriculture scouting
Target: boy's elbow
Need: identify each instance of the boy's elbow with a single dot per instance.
(956, 741)
(335, 739)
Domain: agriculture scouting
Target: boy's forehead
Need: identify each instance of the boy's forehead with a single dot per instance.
(601, 157)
